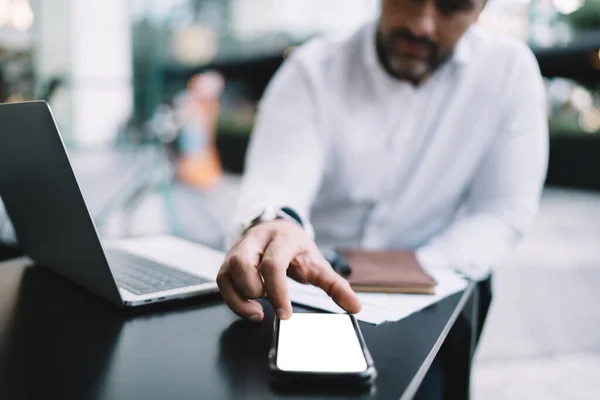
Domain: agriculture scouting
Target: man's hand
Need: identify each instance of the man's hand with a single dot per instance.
(258, 264)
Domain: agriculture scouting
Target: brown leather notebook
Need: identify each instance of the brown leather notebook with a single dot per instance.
(387, 272)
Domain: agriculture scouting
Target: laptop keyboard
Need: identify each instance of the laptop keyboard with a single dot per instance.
(142, 276)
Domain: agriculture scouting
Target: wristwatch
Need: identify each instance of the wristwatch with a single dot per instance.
(269, 214)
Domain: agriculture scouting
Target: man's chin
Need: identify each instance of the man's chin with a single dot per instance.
(413, 70)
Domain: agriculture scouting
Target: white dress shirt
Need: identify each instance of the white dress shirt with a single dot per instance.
(452, 169)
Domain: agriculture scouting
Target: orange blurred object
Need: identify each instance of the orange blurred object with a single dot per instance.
(199, 163)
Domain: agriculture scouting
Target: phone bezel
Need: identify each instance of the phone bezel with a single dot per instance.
(362, 378)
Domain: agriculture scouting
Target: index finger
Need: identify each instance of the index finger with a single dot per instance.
(273, 268)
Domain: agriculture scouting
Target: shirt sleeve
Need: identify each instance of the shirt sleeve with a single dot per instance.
(286, 155)
(505, 192)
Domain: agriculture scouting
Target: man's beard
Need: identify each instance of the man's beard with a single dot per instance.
(387, 52)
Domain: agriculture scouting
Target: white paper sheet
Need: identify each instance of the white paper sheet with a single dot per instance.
(381, 307)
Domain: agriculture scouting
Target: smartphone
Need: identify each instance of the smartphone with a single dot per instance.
(322, 349)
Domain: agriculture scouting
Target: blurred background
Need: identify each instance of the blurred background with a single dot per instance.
(156, 100)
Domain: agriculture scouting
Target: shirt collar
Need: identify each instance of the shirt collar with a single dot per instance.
(462, 53)
(369, 40)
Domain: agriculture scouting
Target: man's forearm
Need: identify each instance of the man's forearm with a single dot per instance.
(475, 243)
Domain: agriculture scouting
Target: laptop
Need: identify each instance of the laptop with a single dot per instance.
(53, 224)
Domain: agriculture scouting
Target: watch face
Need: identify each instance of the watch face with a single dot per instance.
(266, 215)
(269, 214)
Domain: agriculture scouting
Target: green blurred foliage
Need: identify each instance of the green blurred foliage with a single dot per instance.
(587, 18)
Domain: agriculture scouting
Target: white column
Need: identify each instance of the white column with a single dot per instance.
(88, 43)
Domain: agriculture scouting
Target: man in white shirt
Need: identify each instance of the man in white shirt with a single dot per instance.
(419, 132)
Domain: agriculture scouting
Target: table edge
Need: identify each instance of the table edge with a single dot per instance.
(415, 383)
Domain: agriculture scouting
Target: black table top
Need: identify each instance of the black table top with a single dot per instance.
(59, 341)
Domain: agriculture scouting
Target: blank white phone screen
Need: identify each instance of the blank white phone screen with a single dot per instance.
(319, 343)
